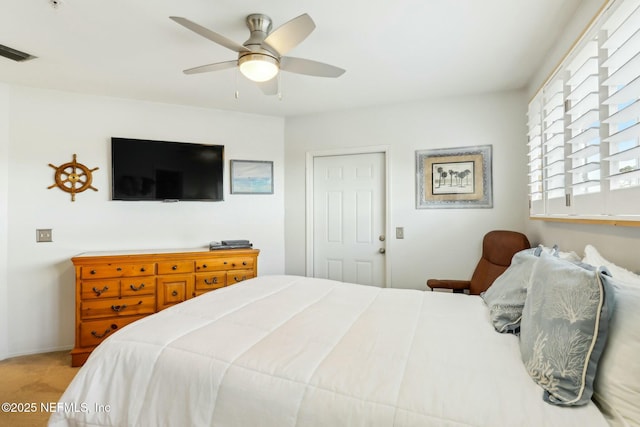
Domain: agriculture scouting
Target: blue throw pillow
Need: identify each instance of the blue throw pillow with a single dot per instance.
(564, 328)
(505, 297)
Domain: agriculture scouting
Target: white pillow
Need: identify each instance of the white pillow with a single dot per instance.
(616, 387)
(593, 257)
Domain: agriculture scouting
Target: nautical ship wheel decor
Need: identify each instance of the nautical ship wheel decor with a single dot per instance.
(73, 177)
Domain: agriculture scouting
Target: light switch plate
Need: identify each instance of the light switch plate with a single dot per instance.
(44, 235)
(399, 232)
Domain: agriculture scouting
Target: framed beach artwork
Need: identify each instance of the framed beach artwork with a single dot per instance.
(454, 177)
(251, 177)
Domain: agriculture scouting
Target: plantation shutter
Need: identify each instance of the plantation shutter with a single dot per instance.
(583, 130)
(622, 108)
(534, 144)
(588, 114)
(553, 146)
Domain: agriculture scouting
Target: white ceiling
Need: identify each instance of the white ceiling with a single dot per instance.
(393, 50)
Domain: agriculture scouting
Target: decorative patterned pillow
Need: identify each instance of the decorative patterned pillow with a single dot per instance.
(617, 388)
(564, 328)
(505, 297)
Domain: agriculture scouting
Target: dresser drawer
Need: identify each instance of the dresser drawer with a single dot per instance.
(237, 276)
(92, 289)
(117, 270)
(175, 267)
(94, 309)
(131, 286)
(173, 292)
(228, 263)
(209, 281)
(172, 289)
(94, 332)
(203, 265)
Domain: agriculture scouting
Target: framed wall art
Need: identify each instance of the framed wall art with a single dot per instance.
(251, 177)
(454, 177)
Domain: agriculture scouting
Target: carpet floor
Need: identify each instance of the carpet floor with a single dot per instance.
(29, 384)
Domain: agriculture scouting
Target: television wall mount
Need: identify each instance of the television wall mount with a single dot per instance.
(73, 177)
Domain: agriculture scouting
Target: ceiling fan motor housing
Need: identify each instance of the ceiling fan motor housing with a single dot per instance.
(260, 26)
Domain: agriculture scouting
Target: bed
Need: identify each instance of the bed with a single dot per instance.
(294, 351)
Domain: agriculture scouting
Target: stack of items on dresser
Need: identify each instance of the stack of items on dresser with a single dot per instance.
(230, 244)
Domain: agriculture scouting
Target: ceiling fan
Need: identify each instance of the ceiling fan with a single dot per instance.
(261, 57)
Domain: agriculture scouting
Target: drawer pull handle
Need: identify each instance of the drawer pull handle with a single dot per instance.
(100, 291)
(244, 262)
(240, 279)
(211, 282)
(204, 265)
(119, 308)
(175, 267)
(92, 272)
(233, 264)
(133, 287)
(119, 269)
(106, 332)
(143, 269)
(174, 293)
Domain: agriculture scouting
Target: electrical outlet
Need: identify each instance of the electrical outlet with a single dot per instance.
(44, 235)
(399, 232)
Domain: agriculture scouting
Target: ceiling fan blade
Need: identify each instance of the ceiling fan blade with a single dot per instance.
(208, 34)
(270, 87)
(211, 67)
(309, 67)
(290, 34)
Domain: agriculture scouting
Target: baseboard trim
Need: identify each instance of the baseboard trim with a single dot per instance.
(39, 351)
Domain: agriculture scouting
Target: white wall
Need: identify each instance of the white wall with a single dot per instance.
(442, 243)
(619, 244)
(49, 127)
(583, 15)
(4, 176)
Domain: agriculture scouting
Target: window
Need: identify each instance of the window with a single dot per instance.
(584, 127)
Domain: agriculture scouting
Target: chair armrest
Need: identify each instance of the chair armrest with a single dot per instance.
(456, 285)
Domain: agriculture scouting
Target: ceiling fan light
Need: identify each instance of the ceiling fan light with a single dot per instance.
(258, 67)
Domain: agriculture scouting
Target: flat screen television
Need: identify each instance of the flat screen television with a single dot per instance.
(168, 171)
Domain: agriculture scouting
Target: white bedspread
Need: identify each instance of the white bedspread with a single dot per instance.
(291, 351)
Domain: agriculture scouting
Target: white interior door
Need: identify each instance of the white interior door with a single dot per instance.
(349, 218)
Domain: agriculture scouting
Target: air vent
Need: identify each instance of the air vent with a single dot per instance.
(14, 54)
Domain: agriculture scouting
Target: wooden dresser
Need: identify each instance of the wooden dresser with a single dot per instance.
(114, 289)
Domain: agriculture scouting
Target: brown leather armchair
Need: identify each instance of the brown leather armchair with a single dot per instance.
(498, 247)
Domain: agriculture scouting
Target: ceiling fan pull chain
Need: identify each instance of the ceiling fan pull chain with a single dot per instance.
(237, 92)
(279, 86)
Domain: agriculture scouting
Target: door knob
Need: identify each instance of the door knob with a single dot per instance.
(381, 237)
(382, 250)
